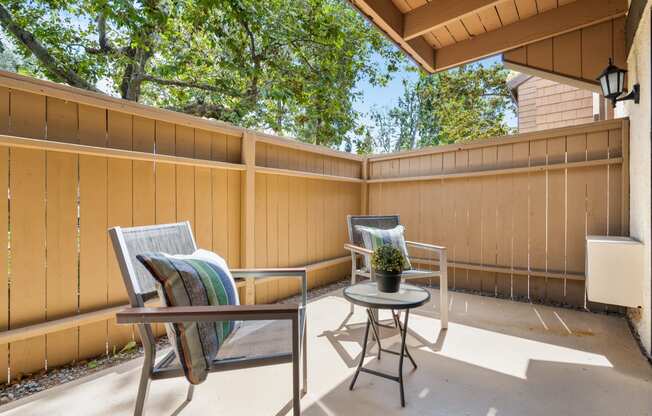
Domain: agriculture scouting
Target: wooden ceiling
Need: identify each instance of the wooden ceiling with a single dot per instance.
(441, 34)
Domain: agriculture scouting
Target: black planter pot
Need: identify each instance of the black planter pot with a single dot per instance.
(388, 282)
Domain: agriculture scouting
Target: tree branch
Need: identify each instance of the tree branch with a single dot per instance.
(182, 84)
(105, 46)
(41, 53)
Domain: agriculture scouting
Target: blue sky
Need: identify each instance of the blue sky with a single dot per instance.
(387, 96)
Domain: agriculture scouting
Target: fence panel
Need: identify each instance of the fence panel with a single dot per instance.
(100, 162)
(515, 211)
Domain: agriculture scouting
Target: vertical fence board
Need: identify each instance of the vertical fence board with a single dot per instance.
(62, 257)
(119, 213)
(537, 220)
(283, 233)
(27, 275)
(93, 262)
(489, 212)
(521, 152)
(474, 211)
(575, 217)
(261, 232)
(62, 120)
(27, 285)
(234, 207)
(272, 234)
(203, 144)
(4, 233)
(203, 208)
(220, 214)
(4, 111)
(615, 184)
(461, 229)
(504, 223)
(144, 182)
(556, 229)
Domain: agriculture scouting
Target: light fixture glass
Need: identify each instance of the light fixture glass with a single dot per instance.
(612, 82)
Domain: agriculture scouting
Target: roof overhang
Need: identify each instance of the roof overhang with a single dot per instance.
(442, 34)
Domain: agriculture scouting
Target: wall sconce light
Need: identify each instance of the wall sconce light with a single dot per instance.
(612, 81)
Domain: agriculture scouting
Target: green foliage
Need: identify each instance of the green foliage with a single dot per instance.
(458, 105)
(129, 346)
(287, 66)
(387, 259)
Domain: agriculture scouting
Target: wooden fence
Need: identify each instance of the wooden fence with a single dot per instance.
(513, 211)
(75, 163)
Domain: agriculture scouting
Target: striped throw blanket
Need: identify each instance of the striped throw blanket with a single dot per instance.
(193, 281)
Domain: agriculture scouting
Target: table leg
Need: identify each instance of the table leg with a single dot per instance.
(364, 352)
(400, 329)
(400, 361)
(375, 329)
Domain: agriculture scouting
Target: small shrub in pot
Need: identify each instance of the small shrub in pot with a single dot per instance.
(387, 262)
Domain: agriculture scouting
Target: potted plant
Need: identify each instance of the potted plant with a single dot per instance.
(387, 262)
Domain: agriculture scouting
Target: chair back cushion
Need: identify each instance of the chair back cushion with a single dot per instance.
(193, 280)
(375, 237)
(382, 222)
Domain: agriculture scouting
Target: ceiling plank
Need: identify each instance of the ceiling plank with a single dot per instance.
(579, 14)
(435, 14)
(388, 18)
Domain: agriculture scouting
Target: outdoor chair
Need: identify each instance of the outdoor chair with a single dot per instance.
(384, 222)
(268, 335)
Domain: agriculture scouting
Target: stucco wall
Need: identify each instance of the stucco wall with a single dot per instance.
(640, 210)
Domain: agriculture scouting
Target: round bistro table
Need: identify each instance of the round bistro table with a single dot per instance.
(367, 295)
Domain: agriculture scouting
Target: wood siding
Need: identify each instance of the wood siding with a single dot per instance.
(577, 57)
(544, 104)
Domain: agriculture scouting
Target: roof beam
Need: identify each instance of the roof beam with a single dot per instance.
(564, 19)
(438, 13)
(388, 18)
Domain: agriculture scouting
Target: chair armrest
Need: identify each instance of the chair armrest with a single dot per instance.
(260, 273)
(357, 249)
(175, 314)
(296, 272)
(425, 246)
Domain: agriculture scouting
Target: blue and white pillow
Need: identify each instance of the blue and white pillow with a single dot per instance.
(376, 237)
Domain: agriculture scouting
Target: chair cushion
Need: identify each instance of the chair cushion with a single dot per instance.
(193, 281)
(376, 237)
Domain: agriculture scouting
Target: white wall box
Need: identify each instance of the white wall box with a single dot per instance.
(614, 270)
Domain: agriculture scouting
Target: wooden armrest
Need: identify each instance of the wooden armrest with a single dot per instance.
(358, 249)
(207, 313)
(426, 246)
(277, 272)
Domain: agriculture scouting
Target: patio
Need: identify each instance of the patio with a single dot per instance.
(513, 214)
(510, 358)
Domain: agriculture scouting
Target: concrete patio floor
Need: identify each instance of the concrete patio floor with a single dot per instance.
(497, 358)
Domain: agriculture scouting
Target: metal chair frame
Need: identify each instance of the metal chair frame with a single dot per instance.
(355, 247)
(143, 317)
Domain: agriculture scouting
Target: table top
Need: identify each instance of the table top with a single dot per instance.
(367, 294)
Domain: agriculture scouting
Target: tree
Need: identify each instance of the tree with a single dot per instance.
(289, 66)
(467, 103)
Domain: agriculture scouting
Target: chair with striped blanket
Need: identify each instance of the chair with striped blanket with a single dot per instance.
(267, 334)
